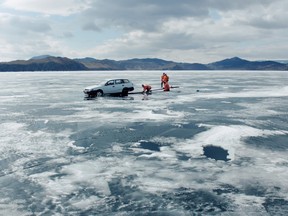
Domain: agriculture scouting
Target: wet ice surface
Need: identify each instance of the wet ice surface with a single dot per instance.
(63, 155)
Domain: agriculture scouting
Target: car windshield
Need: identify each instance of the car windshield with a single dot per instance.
(102, 83)
(110, 82)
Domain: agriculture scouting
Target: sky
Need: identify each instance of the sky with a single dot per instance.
(192, 31)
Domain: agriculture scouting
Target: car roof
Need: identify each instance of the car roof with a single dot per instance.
(117, 79)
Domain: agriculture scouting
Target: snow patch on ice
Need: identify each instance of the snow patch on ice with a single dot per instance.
(228, 137)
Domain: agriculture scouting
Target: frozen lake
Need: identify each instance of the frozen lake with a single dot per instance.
(222, 150)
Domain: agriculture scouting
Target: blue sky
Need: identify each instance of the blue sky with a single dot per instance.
(185, 31)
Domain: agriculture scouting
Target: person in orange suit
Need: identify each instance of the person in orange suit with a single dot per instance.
(146, 88)
(164, 79)
(166, 87)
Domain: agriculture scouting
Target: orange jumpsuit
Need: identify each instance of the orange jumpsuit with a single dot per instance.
(146, 88)
(166, 86)
(164, 79)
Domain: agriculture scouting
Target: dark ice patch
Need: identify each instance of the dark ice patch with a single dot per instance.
(200, 202)
(13, 188)
(226, 188)
(45, 164)
(255, 189)
(276, 206)
(277, 121)
(155, 129)
(276, 143)
(215, 152)
(183, 157)
(128, 199)
(215, 104)
(150, 146)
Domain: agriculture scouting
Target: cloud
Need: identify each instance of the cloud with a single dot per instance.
(30, 24)
(13, 49)
(13, 26)
(267, 19)
(142, 15)
(186, 30)
(90, 26)
(68, 35)
(49, 7)
(213, 27)
(150, 14)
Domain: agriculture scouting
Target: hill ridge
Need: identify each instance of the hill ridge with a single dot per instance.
(52, 63)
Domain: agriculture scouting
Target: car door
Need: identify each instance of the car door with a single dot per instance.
(119, 85)
(109, 87)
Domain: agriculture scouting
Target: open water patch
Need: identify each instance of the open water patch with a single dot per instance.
(149, 146)
(216, 152)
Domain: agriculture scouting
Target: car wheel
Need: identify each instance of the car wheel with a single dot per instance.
(99, 93)
(125, 92)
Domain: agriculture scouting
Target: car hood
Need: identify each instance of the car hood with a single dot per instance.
(92, 87)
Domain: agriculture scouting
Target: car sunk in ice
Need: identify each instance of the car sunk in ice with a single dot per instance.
(117, 87)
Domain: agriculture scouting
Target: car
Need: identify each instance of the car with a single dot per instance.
(115, 87)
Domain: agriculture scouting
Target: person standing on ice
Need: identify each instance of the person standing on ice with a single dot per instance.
(166, 87)
(164, 79)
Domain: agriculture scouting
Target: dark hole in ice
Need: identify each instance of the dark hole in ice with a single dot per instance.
(149, 145)
(215, 152)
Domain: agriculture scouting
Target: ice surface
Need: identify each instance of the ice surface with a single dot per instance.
(64, 155)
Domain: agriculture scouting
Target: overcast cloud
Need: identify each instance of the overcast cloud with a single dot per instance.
(186, 30)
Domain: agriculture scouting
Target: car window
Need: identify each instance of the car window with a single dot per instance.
(119, 81)
(126, 81)
(110, 82)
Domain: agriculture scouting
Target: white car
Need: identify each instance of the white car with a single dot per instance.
(117, 87)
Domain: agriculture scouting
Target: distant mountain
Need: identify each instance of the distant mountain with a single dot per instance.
(94, 64)
(40, 57)
(48, 63)
(51, 63)
(237, 63)
(138, 64)
(282, 61)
